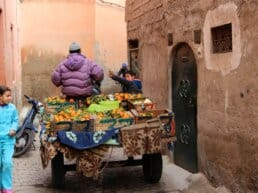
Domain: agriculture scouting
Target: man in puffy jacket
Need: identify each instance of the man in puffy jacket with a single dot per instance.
(76, 74)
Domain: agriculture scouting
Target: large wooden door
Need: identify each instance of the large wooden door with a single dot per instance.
(184, 99)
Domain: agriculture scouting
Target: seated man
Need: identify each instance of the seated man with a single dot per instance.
(77, 74)
(129, 83)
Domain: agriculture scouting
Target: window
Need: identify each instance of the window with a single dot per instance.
(222, 38)
(170, 39)
(133, 56)
(133, 44)
(197, 36)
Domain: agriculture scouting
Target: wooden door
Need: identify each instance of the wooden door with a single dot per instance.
(184, 99)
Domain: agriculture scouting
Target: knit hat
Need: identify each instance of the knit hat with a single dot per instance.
(124, 65)
(74, 46)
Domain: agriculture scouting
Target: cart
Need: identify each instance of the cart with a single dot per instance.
(146, 137)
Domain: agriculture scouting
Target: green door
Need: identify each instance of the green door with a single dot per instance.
(184, 100)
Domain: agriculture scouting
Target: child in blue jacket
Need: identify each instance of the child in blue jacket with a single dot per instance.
(129, 83)
(8, 127)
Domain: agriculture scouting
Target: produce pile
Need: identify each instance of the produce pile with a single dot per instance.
(99, 107)
(58, 101)
(71, 114)
(127, 96)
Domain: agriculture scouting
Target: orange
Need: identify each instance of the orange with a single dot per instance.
(71, 100)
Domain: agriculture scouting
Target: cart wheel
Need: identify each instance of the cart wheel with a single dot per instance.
(152, 167)
(58, 171)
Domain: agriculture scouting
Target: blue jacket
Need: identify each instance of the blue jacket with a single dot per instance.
(138, 83)
(8, 119)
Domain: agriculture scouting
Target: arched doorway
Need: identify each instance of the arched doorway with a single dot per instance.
(184, 100)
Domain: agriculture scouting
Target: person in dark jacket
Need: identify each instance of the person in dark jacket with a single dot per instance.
(77, 74)
(129, 83)
(123, 70)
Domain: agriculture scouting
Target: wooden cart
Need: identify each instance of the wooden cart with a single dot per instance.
(147, 137)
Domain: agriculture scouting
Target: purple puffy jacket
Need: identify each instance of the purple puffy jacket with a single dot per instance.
(75, 75)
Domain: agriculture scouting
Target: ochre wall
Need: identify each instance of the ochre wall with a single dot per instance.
(110, 48)
(227, 89)
(2, 65)
(145, 23)
(47, 29)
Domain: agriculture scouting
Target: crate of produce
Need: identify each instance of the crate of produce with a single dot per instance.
(58, 126)
(143, 138)
(125, 96)
(55, 104)
(82, 125)
(102, 124)
(123, 122)
(143, 116)
(115, 118)
(107, 123)
(70, 126)
(52, 109)
(141, 104)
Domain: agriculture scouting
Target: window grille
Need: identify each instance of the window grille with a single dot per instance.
(133, 56)
(222, 39)
(170, 39)
(197, 36)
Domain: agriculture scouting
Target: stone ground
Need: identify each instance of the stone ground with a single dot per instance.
(29, 177)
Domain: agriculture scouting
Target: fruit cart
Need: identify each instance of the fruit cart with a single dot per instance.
(86, 131)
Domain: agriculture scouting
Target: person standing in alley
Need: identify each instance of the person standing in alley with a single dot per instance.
(123, 70)
(77, 75)
(8, 127)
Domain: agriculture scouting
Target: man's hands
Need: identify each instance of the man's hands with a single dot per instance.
(12, 133)
(110, 73)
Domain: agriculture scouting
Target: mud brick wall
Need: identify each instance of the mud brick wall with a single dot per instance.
(227, 85)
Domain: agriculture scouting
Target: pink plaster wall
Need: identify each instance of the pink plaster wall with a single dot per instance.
(110, 38)
(49, 26)
(47, 29)
(52, 25)
(10, 60)
(2, 66)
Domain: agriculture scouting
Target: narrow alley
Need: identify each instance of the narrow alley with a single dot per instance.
(148, 76)
(29, 177)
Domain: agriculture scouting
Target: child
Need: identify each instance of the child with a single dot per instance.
(8, 127)
(129, 83)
